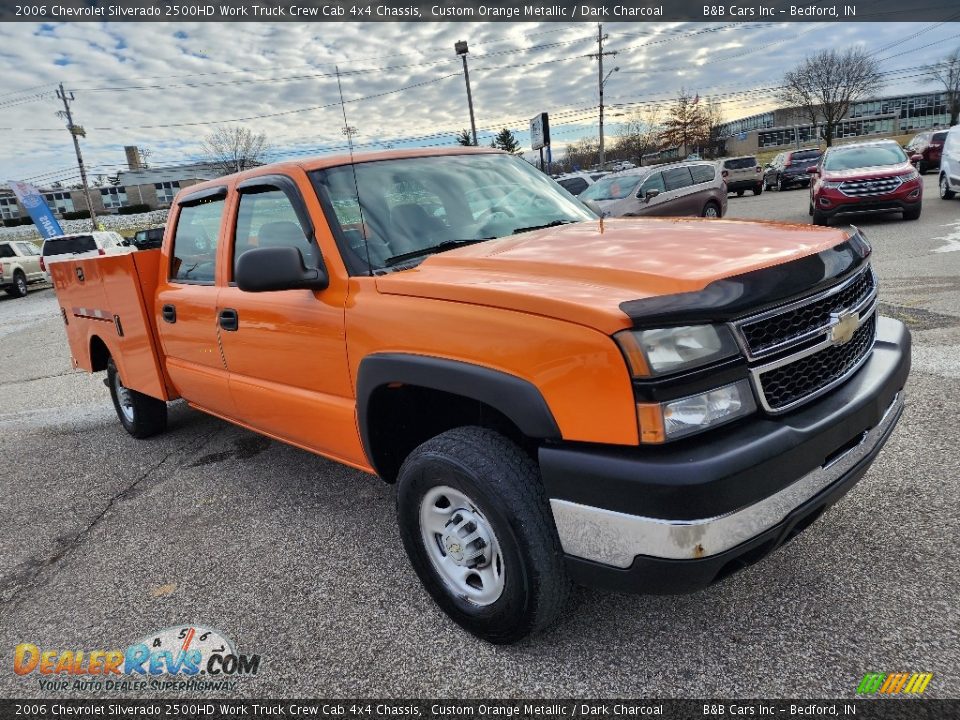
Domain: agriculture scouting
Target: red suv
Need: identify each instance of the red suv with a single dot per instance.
(929, 146)
(861, 178)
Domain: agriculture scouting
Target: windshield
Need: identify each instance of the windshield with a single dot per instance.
(612, 187)
(864, 156)
(402, 207)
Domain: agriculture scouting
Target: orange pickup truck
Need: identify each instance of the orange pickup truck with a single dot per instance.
(645, 405)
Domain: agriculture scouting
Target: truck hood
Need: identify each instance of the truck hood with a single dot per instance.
(583, 272)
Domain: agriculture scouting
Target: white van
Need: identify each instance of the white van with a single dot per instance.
(950, 164)
(63, 247)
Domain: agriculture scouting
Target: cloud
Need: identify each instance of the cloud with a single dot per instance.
(147, 84)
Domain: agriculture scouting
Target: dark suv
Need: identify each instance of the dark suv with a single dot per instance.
(929, 145)
(790, 169)
(148, 239)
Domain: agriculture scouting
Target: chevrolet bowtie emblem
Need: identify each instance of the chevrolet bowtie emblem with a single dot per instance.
(847, 324)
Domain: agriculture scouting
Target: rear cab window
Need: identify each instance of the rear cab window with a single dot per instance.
(193, 257)
(67, 245)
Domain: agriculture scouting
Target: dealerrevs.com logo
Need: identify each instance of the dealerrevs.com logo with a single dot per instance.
(177, 658)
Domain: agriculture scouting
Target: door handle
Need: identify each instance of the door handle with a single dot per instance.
(169, 313)
(229, 319)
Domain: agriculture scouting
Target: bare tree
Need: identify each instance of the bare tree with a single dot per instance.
(639, 135)
(236, 148)
(947, 73)
(580, 155)
(825, 84)
(686, 123)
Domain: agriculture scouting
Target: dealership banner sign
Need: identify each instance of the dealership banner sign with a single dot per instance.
(34, 203)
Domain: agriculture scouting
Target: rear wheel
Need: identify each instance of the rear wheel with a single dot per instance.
(758, 189)
(913, 214)
(945, 192)
(740, 193)
(19, 287)
(140, 415)
(478, 530)
(711, 210)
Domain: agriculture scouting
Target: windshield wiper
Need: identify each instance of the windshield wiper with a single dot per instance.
(439, 247)
(541, 227)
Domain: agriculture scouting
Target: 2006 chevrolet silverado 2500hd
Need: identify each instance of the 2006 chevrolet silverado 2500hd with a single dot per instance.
(643, 405)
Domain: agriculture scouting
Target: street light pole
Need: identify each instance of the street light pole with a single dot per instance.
(461, 50)
(75, 132)
(602, 80)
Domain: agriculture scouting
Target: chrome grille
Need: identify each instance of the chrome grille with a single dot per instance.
(802, 379)
(801, 350)
(808, 319)
(870, 186)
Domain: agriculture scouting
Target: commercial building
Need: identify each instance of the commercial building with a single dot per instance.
(790, 127)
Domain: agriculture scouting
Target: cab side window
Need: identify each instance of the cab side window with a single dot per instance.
(194, 254)
(268, 219)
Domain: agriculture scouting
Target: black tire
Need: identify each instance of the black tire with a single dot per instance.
(810, 208)
(504, 484)
(758, 189)
(19, 287)
(945, 192)
(767, 186)
(913, 214)
(740, 193)
(820, 218)
(781, 186)
(149, 415)
(711, 206)
(923, 167)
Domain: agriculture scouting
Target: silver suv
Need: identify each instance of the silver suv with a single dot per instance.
(742, 174)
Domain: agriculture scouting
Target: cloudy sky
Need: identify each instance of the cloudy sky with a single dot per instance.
(164, 87)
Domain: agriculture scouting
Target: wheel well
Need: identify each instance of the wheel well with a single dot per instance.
(98, 354)
(405, 416)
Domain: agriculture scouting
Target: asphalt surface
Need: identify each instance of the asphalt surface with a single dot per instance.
(104, 539)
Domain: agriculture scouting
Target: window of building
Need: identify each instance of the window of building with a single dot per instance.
(9, 209)
(59, 202)
(166, 191)
(114, 197)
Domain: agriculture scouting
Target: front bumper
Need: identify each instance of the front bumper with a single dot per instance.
(903, 199)
(676, 519)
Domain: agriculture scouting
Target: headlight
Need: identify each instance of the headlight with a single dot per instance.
(658, 352)
(909, 175)
(670, 420)
(830, 184)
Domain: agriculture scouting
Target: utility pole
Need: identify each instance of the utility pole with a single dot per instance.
(461, 50)
(602, 81)
(75, 132)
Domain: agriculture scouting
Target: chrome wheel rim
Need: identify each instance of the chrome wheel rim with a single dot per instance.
(710, 212)
(943, 188)
(462, 546)
(22, 286)
(124, 399)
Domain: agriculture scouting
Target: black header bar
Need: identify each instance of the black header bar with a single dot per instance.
(316, 11)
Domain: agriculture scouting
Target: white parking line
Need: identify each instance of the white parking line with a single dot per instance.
(953, 239)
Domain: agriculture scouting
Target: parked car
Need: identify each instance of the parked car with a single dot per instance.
(643, 404)
(949, 180)
(576, 183)
(929, 146)
(98, 242)
(19, 266)
(742, 174)
(863, 178)
(789, 169)
(684, 188)
(148, 239)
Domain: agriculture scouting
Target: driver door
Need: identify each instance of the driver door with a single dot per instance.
(654, 205)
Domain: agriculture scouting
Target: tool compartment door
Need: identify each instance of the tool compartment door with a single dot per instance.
(111, 297)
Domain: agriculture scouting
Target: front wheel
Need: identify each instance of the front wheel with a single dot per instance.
(740, 193)
(781, 186)
(19, 287)
(945, 192)
(820, 218)
(140, 415)
(913, 214)
(710, 210)
(478, 530)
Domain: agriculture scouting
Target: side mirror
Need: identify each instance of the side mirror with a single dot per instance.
(916, 157)
(813, 170)
(277, 268)
(650, 194)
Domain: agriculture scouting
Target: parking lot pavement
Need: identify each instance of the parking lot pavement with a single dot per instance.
(104, 538)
